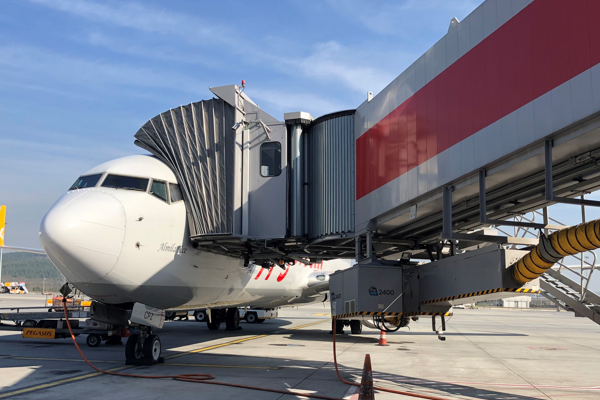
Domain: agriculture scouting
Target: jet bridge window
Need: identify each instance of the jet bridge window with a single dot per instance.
(270, 159)
(159, 189)
(125, 182)
(175, 193)
(86, 181)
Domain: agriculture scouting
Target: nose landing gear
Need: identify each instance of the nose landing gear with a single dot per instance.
(143, 348)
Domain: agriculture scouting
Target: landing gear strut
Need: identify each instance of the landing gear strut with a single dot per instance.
(143, 348)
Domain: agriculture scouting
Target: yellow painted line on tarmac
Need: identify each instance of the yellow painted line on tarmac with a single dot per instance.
(92, 375)
(56, 383)
(322, 314)
(216, 346)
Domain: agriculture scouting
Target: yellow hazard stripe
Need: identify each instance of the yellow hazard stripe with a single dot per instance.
(480, 293)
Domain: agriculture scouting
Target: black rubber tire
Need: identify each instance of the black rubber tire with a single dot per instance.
(251, 317)
(213, 326)
(152, 348)
(133, 348)
(93, 340)
(170, 315)
(232, 319)
(200, 316)
(260, 320)
(339, 326)
(355, 327)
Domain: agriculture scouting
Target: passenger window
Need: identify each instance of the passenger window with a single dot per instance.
(86, 181)
(125, 182)
(175, 192)
(270, 159)
(159, 189)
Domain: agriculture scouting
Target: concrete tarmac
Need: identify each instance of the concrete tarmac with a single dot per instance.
(496, 354)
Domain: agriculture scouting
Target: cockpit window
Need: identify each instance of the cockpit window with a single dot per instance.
(159, 189)
(125, 182)
(175, 193)
(86, 181)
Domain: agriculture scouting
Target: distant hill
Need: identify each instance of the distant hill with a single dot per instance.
(28, 266)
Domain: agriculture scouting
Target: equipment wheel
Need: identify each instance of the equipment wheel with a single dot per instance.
(152, 348)
(339, 326)
(355, 327)
(232, 319)
(30, 323)
(134, 349)
(200, 315)
(93, 340)
(251, 317)
(213, 326)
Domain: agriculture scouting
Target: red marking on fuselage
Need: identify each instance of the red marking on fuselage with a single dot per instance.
(283, 275)
(269, 274)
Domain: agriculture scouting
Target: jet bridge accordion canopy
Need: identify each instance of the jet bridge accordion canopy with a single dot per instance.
(197, 142)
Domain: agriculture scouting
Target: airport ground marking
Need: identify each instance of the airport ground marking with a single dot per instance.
(220, 366)
(56, 383)
(94, 374)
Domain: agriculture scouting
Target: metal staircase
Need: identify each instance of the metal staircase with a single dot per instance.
(568, 295)
(556, 286)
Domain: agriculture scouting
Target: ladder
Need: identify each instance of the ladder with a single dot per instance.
(557, 287)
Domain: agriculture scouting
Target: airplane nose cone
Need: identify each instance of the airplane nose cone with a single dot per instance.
(83, 234)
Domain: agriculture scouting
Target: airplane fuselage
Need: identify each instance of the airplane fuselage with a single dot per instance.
(120, 236)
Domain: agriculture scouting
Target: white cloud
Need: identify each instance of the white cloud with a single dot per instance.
(277, 102)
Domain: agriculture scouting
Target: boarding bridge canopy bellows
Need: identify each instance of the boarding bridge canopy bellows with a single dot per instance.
(196, 142)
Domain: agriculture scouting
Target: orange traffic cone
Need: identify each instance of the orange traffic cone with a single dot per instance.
(382, 339)
(366, 391)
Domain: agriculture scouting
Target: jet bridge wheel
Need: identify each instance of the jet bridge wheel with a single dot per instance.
(355, 327)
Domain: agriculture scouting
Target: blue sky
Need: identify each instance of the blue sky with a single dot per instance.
(78, 78)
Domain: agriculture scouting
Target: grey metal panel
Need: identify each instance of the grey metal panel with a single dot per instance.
(331, 175)
(490, 17)
(510, 140)
(430, 64)
(494, 136)
(443, 167)
(394, 94)
(440, 56)
(595, 71)
(403, 188)
(197, 143)
(420, 72)
(505, 13)
(464, 36)
(581, 95)
(360, 120)
(452, 45)
(480, 148)
(561, 106)
(413, 188)
(542, 112)
(432, 173)
(377, 110)
(518, 5)
(454, 162)
(476, 26)
(411, 81)
(467, 154)
(525, 125)
(422, 179)
(402, 95)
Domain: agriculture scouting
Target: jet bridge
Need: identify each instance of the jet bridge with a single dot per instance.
(499, 118)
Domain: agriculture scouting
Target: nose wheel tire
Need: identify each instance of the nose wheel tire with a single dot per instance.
(213, 326)
(152, 348)
(143, 352)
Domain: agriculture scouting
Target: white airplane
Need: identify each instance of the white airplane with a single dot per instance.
(120, 235)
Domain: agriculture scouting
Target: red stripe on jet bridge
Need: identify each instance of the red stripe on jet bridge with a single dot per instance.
(546, 44)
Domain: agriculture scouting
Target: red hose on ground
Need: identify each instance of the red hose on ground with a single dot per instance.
(206, 378)
(196, 378)
(421, 396)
